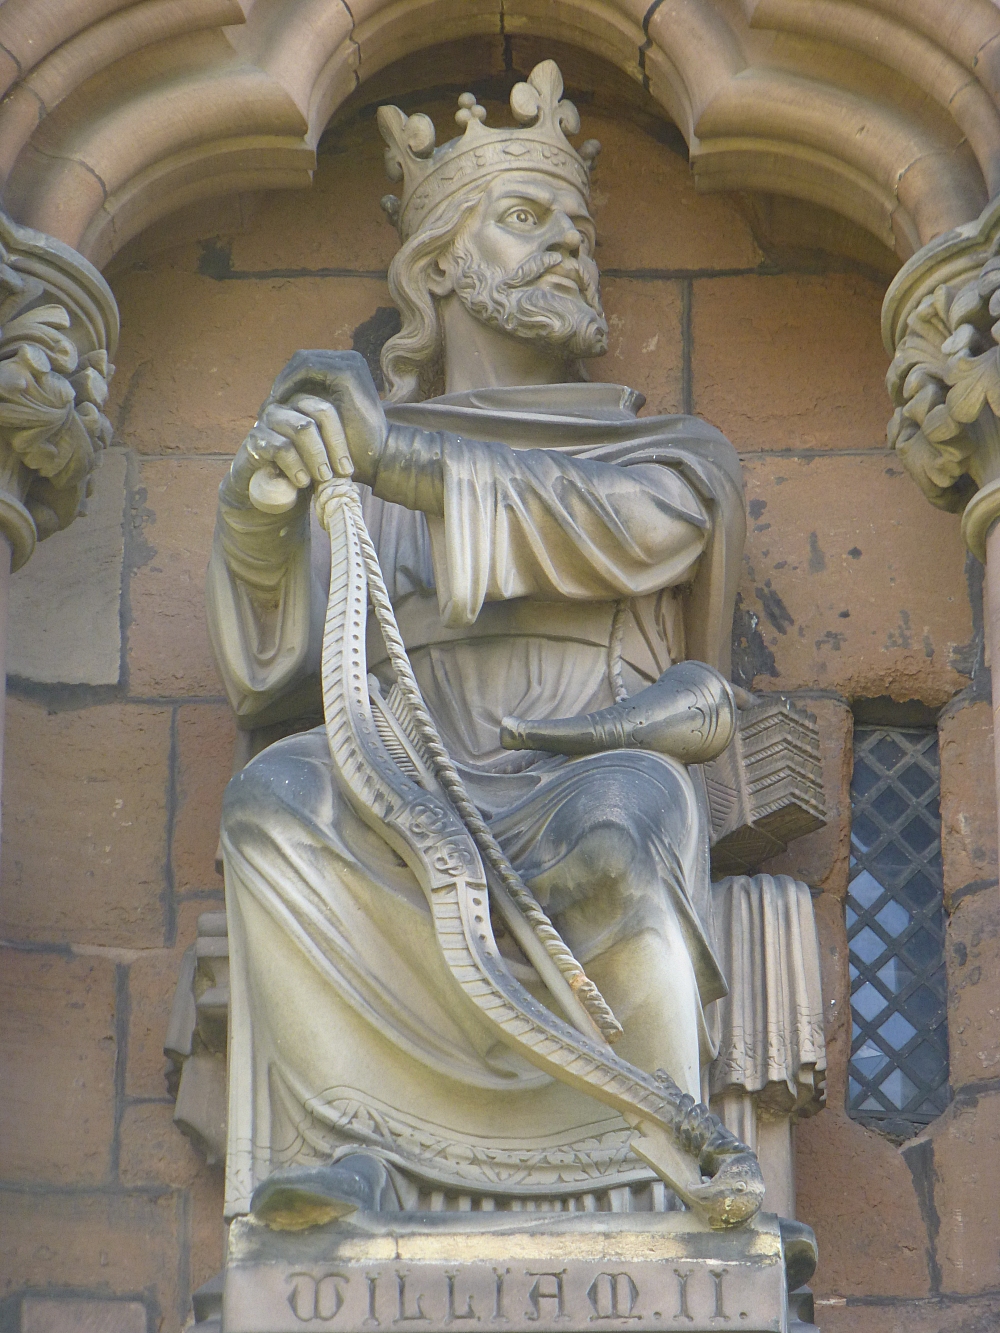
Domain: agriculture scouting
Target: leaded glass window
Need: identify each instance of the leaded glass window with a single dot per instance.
(898, 1075)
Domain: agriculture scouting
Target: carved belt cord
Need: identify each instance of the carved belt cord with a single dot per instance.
(390, 763)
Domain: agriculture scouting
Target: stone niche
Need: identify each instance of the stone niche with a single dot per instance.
(760, 316)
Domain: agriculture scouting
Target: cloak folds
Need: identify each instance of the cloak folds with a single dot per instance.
(546, 508)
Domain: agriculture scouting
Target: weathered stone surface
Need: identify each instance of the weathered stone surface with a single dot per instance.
(666, 224)
(790, 362)
(188, 385)
(966, 1189)
(206, 736)
(644, 348)
(152, 980)
(65, 603)
(972, 954)
(968, 799)
(53, 1314)
(854, 1189)
(820, 858)
(832, 933)
(57, 1054)
(113, 1243)
(208, 1229)
(153, 1149)
(858, 585)
(579, 1269)
(934, 1315)
(85, 824)
(168, 648)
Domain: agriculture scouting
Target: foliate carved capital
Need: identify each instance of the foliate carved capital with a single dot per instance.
(58, 326)
(941, 324)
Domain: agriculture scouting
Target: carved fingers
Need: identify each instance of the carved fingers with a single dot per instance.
(326, 421)
(342, 382)
(291, 448)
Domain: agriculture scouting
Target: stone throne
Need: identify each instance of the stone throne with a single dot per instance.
(770, 1070)
(407, 1071)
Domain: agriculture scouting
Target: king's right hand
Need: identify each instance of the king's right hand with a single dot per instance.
(302, 439)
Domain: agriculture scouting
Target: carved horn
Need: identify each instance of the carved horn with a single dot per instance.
(689, 714)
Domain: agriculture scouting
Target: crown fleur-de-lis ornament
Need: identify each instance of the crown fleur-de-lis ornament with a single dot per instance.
(431, 175)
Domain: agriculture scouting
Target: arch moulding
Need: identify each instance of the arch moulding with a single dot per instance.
(118, 112)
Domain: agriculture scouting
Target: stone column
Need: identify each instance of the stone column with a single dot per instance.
(941, 324)
(58, 327)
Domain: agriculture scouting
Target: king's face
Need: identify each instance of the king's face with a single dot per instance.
(523, 215)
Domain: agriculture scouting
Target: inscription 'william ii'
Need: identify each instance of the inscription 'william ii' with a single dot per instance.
(430, 1296)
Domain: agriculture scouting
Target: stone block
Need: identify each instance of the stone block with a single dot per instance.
(338, 223)
(54, 1314)
(57, 1054)
(665, 224)
(791, 361)
(153, 1149)
(937, 1314)
(199, 355)
(972, 953)
(65, 603)
(853, 1188)
(579, 1268)
(645, 344)
(821, 858)
(112, 1243)
(851, 581)
(648, 212)
(168, 648)
(85, 824)
(152, 981)
(206, 737)
(966, 1169)
(968, 799)
(208, 1229)
(835, 983)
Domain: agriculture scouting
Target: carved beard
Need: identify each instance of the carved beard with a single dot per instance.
(514, 303)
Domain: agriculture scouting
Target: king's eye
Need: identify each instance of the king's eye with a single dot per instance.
(524, 217)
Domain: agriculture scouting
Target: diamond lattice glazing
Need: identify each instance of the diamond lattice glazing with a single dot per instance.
(895, 929)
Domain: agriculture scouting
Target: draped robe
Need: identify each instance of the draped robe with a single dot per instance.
(510, 524)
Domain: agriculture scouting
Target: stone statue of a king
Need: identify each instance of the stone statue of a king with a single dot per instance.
(547, 553)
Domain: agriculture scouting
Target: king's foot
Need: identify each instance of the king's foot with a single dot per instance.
(297, 1197)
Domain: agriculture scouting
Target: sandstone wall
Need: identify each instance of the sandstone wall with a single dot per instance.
(853, 588)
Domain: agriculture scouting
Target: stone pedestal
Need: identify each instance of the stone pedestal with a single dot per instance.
(507, 1271)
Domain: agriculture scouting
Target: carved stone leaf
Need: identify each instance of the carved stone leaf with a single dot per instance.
(964, 339)
(936, 475)
(966, 305)
(931, 395)
(42, 327)
(939, 425)
(975, 381)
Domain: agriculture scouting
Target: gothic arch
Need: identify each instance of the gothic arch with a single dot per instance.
(118, 112)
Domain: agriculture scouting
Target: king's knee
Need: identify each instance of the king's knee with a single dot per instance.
(608, 851)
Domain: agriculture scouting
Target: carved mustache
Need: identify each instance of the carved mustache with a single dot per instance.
(536, 266)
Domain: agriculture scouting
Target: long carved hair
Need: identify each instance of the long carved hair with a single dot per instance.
(411, 359)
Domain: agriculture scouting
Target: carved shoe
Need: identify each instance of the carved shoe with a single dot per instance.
(297, 1197)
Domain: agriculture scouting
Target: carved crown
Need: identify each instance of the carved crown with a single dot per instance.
(430, 175)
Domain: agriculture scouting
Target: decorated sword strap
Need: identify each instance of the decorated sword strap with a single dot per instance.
(389, 762)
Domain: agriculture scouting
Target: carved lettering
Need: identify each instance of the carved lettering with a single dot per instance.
(403, 1317)
(717, 1278)
(682, 1296)
(372, 1320)
(316, 1297)
(498, 1294)
(613, 1296)
(538, 1294)
(451, 1314)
